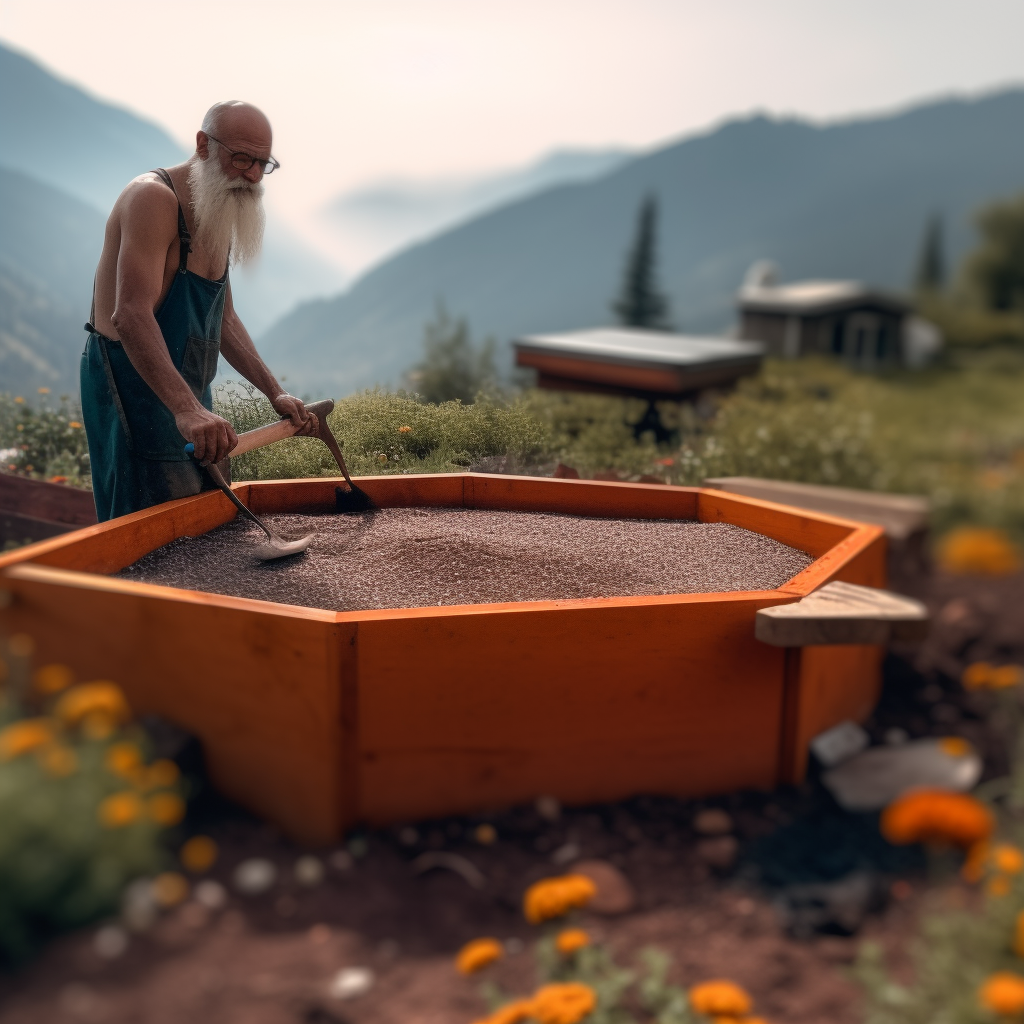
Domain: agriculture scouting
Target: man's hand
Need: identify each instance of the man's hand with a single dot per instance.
(292, 407)
(213, 437)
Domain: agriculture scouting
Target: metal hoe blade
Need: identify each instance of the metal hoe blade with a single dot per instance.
(276, 547)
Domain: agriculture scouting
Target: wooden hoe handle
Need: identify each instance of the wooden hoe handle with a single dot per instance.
(272, 432)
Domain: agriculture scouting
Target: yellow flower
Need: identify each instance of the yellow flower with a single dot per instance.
(170, 888)
(564, 1003)
(124, 759)
(24, 736)
(120, 809)
(92, 698)
(160, 774)
(1003, 993)
(937, 816)
(476, 955)
(74, 425)
(52, 678)
(720, 998)
(405, 430)
(58, 760)
(43, 391)
(570, 940)
(198, 854)
(972, 549)
(553, 897)
(954, 746)
(166, 808)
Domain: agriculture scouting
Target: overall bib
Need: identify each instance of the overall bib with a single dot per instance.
(135, 450)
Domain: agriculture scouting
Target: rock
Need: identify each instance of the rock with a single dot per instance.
(873, 779)
(341, 860)
(255, 876)
(839, 743)
(351, 982)
(615, 893)
(309, 871)
(110, 942)
(514, 946)
(210, 894)
(139, 911)
(566, 853)
(712, 821)
(838, 906)
(549, 808)
(718, 852)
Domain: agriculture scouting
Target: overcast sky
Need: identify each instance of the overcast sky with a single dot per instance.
(359, 90)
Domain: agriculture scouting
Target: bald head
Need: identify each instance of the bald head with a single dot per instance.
(236, 116)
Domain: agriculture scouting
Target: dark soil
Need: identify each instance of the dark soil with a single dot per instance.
(415, 557)
(773, 910)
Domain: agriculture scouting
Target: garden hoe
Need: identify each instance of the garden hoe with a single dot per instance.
(353, 500)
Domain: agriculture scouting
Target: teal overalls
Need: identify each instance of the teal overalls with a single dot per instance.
(135, 450)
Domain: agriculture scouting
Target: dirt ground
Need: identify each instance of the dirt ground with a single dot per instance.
(733, 904)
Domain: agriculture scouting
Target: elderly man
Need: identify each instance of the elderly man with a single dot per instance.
(162, 315)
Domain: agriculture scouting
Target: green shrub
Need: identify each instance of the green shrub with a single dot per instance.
(44, 442)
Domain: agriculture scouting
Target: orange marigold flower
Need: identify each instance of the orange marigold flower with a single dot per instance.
(937, 816)
(19, 400)
(977, 675)
(1006, 676)
(553, 897)
(58, 760)
(43, 391)
(25, 736)
(198, 854)
(476, 955)
(510, 1013)
(120, 809)
(52, 678)
(973, 549)
(98, 725)
(123, 759)
(405, 430)
(954, 746)
(58, 479)
(563, 1003)
(92, 698)
(720, 998)
(998, 885)
(973, 869)
(166, 808)
(1008, 859)
(570, 940)
(1003, 993)
(170, 889)
(74, 425)
(160, 774)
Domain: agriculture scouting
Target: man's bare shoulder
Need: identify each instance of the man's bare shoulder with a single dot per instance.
(149, 198)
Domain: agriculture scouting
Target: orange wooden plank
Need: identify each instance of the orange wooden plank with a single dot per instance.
(587, 704)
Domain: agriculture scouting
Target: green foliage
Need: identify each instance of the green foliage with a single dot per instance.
(641, 302)
(48, 441)
(444, 438)
(931, 266)
(996, 267)
(453, 368)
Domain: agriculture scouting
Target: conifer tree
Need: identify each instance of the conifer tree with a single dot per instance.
(640, 302)
(931, 266)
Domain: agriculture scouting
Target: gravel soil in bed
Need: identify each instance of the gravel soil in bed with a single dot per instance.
(415, 557)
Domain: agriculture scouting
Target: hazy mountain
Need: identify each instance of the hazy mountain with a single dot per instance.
(49, 244)
(58, 134)
(370, 223)
(844, 200)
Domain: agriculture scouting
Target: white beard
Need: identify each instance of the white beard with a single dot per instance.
(228, 212)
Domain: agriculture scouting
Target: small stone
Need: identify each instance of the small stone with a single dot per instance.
(514, 946)
(566, 853)
(319, 934)
(210, 894)
(255, 876)
(341, 860)
(351, 982)
(110, 942)
(139, 911)
(549, 808)
(408, 836)
(718, 852)
(615, 893)
(712, 821)
(309, 871)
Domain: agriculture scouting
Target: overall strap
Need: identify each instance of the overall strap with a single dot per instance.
(184, 238)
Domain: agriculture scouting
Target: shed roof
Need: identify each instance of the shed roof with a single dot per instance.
(811, 297)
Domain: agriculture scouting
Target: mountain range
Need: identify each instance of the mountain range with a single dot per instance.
(845, 200)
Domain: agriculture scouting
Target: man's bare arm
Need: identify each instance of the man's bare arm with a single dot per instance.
(148, 226)
(238, 349)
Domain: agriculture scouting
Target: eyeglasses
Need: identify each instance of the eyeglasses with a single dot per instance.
(243, 161)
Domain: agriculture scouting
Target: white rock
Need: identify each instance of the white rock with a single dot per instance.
(139, 910)
(873, 779)
(566, 853)
(839, 743)
(110, 942)
(210, 894)
(254, 876)
(350, 982)
(309, 871)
